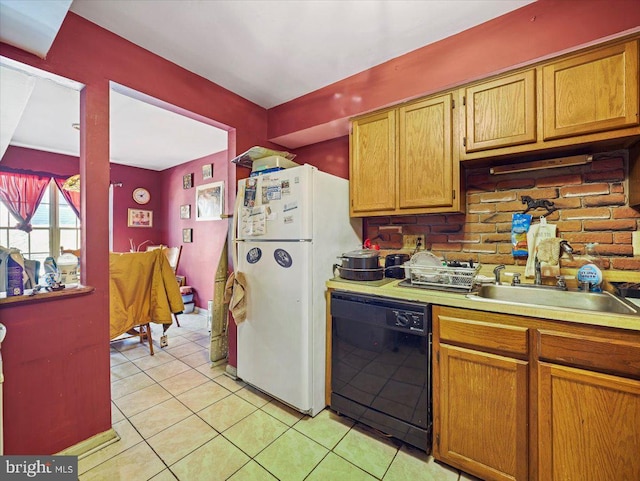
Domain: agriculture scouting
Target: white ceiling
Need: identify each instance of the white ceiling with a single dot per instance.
(268, 51)
(40, 19)
(272, 51)
(142, 135)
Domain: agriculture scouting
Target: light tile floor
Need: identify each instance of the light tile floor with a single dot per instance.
(179, 418)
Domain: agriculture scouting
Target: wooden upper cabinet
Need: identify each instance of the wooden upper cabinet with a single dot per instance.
(593, 92)
(402, 160)
(501, 113)
(372, 165)
(425, 162)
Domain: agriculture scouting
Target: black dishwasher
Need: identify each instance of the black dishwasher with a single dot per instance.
(381, 364)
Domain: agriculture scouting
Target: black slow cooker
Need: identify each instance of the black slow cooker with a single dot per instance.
(393, 265)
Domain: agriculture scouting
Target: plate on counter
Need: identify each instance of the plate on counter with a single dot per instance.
(426, 259)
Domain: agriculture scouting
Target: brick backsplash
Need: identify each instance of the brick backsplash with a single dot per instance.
(592, 202)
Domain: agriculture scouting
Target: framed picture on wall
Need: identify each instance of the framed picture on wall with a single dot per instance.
(187, 181)
(209, 200)
(185, 211)
(207, 171)
(139, 218)
(187, 235)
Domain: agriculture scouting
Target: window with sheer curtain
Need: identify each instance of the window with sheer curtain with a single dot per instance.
(54, 224)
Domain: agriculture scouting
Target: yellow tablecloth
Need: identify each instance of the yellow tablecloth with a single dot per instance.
(143, 288)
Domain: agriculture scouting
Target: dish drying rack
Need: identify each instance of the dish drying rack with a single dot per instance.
(442, 276)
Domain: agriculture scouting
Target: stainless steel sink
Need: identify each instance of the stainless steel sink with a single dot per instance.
(550, 297)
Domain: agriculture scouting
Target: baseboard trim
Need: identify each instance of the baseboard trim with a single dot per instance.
(201, 310)
(92, 444)
(231, 371)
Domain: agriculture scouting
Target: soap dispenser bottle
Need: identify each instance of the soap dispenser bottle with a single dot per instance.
(590, 274)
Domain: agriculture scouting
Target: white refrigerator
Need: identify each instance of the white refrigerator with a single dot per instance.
(291, 227)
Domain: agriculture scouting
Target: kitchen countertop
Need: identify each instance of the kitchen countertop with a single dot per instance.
(459, 299)
(28, 297)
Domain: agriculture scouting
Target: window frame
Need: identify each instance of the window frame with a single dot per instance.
(54, 199)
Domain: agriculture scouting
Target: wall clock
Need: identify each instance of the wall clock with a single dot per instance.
(141, 195)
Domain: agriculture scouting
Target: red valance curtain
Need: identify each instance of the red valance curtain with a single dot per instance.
(73, 197)
(22, 193)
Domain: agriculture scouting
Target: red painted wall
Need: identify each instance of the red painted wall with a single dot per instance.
(331, 156)
(39, 161)
(55, 367)
(132, 178)
(93, 56)
(524, 35)
(86, 53)
(199, 259)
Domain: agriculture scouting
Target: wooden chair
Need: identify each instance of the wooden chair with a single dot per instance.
(172, 253)
(143, 331)
(75, 252)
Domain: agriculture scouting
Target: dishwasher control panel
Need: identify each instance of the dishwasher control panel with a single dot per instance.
(366, 310)
(411, 320)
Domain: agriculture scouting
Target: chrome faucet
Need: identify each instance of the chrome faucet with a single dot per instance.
(538, 279)
(561, 283)
(584, 286)
(564, 245)
(496, 273)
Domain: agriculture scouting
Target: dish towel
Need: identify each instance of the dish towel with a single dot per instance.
(549, 251)
(235, 293)
(536, 234)
(549, 256)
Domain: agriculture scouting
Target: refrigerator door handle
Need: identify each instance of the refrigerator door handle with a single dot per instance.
(234, 225)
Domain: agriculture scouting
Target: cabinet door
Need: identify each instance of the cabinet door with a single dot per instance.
(425, 163)
(594, 92)
(501, 113)
(589, 425)
(372, 165)
(481, 411)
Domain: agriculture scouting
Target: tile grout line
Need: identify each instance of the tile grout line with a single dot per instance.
(254, 405)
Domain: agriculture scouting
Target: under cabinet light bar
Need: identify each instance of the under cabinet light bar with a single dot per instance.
(542, 164)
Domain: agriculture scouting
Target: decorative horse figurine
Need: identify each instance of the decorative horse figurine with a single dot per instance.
(538, 204)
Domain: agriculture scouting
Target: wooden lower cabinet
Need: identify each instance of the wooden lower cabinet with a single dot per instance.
(588, 425)
(482, 413)
(522, 398)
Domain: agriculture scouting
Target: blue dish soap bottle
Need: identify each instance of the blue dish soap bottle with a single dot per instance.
(591, 273)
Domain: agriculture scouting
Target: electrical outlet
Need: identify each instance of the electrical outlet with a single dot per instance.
(412, 241)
